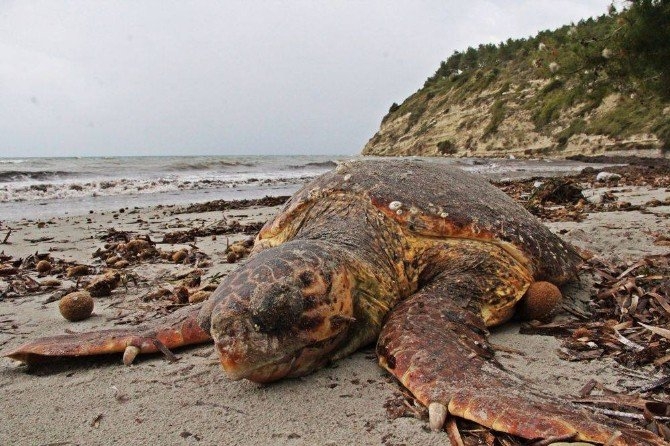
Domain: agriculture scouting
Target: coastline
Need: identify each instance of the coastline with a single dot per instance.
(99, 401)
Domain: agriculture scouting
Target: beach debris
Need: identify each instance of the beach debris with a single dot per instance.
(198, 296)
(403, 404)
(41, 263)
(24, 284)
(559, 199)
(51, 283)
(102, 285)
(556, 191)
(135, 246)
(629, 315)
(191, 279)
(661, 240)
(43, 267)
(180, 295)
(120, 254)
(76, 306)
(239, 250)
(157, 294)
(222, 227)
(95, 422)
(113, 235)
(604, 177)
(39, 239)
(119, 396)
(119, 264)
(227, 205)
(651, 173)
(540, 301)
(5, 240)
(602, 198)
(180, 256)
(8, 270)
(77, 271)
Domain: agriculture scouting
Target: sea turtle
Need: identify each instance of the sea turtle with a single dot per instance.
(416, 255)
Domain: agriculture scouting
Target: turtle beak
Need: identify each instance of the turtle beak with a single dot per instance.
(239, 363)
(247, 352)
(237, 368)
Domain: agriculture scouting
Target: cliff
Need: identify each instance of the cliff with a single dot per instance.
(575, 90)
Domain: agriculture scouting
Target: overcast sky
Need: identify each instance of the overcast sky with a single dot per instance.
(232, 77)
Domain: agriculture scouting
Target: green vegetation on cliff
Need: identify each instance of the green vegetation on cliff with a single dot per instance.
(607, 78)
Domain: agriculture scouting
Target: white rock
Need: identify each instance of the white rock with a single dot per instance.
(395, 205)
(596, 198)
(607, 176)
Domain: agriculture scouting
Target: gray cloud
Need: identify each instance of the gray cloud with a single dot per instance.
(233, 77)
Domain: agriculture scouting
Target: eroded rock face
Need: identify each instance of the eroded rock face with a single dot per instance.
(487, 124)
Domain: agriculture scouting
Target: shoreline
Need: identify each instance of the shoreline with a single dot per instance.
(99, 401)
(46, 198)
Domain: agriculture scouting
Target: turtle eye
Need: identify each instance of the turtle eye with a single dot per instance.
(306, 278)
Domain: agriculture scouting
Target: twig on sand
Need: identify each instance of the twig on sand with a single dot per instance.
(9, 232)
(453, 433)
(163, 349)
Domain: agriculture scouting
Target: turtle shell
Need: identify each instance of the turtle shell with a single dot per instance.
(433, 199)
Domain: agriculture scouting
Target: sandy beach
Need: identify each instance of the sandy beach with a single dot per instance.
(154, 401)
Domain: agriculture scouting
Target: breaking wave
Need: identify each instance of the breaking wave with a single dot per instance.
(12, 176)
(320, 164)
(128, 186)
(40, 179)
(206, 165)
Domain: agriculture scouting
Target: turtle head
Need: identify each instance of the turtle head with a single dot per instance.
(281, 314)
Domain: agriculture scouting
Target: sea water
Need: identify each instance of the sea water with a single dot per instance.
(38, 188)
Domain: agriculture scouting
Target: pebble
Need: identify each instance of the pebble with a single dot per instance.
(596, 199)
(607, 176)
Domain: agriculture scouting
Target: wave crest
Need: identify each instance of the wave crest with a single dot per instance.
(10, 176)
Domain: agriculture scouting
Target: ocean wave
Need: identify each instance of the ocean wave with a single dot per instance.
(12, 161)
(10, 176)
(205, 165)
(324, 164)
(125, 186)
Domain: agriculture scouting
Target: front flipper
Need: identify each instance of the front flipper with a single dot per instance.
(437, 348)
(176, 330)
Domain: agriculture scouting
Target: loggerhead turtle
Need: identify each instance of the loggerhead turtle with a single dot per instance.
(418, 256)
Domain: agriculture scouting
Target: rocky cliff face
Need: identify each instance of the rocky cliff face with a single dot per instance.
(495, 123)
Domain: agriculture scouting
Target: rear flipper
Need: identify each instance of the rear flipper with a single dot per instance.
(176, 330)
(437, 348)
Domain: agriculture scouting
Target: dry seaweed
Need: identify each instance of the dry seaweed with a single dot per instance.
(558, 199)
(630, 314)
(219, 228)
(629, 321)
(227, 205)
